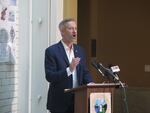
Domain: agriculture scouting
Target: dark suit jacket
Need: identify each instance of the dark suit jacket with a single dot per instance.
(56, 62)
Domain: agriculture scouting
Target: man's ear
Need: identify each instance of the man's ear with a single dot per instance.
(62, 31)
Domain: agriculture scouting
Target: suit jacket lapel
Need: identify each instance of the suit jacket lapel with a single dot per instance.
(76, 54)
(63, 53)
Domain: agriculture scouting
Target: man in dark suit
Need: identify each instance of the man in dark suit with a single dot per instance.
(65, 68)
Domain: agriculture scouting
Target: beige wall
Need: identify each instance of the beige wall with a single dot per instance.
(70, 9)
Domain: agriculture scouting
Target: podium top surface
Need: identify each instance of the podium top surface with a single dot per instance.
(95, 85)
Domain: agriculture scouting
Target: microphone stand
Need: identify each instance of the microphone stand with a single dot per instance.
(125, 96)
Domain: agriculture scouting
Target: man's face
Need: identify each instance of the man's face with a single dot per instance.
(70, 32)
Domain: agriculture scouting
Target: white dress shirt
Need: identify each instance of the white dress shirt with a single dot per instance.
(70, 55)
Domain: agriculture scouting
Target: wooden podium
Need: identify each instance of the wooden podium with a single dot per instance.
(82, 95)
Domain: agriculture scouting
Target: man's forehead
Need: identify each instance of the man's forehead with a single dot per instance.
(70, 23)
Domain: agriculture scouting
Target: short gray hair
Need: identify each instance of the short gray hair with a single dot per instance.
(64, 22)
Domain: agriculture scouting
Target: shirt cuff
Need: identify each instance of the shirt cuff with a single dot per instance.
(68, 71)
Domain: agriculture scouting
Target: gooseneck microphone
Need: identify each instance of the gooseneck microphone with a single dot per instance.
(107, 72)
(96, 66)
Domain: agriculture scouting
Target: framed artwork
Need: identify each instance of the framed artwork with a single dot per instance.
(8, 12)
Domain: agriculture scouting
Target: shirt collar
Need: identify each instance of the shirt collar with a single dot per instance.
(65, 46)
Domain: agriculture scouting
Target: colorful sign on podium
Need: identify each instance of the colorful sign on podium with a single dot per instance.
(100, 103)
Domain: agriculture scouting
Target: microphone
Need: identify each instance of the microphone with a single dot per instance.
(107, 71)
(95, 65)
(115, 69)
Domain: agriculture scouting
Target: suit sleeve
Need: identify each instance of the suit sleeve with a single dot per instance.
(52, 74)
